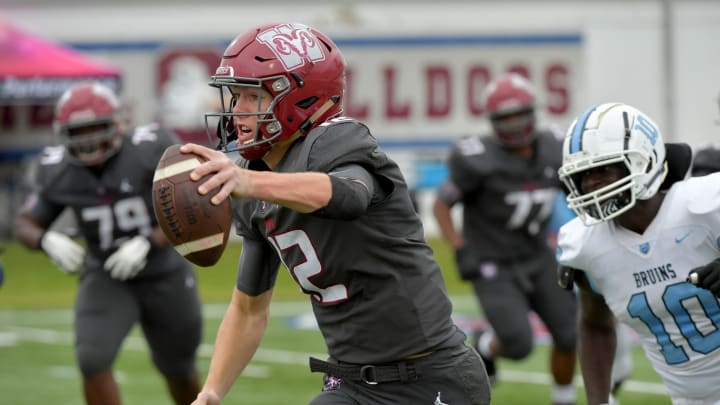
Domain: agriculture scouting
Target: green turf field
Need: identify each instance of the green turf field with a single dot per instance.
(37, 364)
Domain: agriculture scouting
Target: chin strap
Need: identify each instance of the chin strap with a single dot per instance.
(306, 126)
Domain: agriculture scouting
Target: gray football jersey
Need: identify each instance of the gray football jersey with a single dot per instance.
(507, 200)
(110, 206)
(377, 292)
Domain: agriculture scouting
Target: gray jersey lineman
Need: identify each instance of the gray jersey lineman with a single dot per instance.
(376, 290)
(507, 201)
(111, 208)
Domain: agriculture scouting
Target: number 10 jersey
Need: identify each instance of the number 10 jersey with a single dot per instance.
(642, 278)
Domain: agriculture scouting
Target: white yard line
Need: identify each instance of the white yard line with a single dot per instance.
(210, 311)
(18, 334)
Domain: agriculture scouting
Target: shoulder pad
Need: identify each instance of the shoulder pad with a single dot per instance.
(49, 163)
(550, 148)
(702, 193)
(145, 133)
(342, 141)
(149, 142)
(469, 146)
(474, 153)
(472, 159)
(153, 133)
(570, 242)
(51, 155)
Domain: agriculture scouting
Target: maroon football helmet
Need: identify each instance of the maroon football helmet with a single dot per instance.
(510, 103)
(87, 122)
(301, 68)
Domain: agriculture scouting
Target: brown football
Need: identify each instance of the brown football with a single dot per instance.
(195, 227)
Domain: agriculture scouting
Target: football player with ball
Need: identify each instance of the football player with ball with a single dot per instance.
(129, 273)
(314, 191)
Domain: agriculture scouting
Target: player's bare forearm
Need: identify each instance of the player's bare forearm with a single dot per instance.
(303, 192)
(593, 309)
(27, 231)
(157, 237)
(597, 350)
(447, 228)
(237, 340)
(597, 346)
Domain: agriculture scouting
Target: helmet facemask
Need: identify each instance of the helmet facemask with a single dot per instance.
(604, 203)
(268, 129)
(514, 129)
(92, 143)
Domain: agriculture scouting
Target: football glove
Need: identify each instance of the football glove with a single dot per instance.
(707, 277)
(467, 263)
(67, 254)
(129, 259)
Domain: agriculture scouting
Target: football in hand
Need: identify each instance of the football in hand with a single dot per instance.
(195, 227)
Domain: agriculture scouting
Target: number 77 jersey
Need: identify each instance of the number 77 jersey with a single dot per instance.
(642, 278)
(507, 199)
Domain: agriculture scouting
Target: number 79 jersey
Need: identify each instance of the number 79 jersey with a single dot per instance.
(110, 206)
(642, 278)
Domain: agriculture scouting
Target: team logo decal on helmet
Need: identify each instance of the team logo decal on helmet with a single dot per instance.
(225, 71)
(293, 44)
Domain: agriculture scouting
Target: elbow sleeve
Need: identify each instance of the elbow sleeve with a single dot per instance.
(350, 199)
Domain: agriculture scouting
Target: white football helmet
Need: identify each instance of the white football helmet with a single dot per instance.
(609, 134)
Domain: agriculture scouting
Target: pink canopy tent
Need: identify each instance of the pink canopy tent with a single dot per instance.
(35, 71)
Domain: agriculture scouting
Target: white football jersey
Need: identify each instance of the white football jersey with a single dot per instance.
(642, 278)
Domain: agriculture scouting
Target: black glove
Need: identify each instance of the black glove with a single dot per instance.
(466, 262)
(707, 277)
